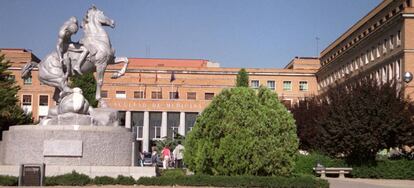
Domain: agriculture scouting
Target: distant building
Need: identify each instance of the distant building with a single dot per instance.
(162, 97)
(380, 45)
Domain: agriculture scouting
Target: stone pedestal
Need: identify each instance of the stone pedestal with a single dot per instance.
(104, 116)
(70, 145)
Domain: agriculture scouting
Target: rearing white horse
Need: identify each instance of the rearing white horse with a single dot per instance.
(101, 54)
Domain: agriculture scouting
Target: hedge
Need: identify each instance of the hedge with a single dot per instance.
(8, 180)
(384, 169)
(387, 169)
(305, 163)
(72, 179)
(236, 181)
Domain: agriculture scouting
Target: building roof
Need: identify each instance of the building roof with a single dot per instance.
(164, 62)
(356, 26)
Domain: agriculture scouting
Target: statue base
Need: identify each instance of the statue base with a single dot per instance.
(70, 145)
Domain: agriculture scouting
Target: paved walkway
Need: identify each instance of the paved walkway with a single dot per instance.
(369, 183)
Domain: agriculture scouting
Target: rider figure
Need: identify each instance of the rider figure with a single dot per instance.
(65, 44)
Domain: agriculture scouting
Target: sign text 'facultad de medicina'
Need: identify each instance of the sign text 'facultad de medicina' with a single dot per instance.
(149, 105)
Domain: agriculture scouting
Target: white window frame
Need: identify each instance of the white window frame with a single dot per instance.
(300, 86)
(119, 95)
(253, 84)
(269, 83)
(290, 88)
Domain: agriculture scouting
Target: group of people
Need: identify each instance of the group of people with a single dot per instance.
(175, 158)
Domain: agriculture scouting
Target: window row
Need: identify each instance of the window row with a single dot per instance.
(27, 100)
(157, 95)
(287, 85)
(375, 52)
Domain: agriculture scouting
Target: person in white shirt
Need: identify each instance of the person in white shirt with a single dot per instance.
(178, 154)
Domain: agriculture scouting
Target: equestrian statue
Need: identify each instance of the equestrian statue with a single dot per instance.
(92, 53)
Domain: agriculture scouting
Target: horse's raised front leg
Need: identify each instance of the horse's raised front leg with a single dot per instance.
(124, 68)
(100, 71)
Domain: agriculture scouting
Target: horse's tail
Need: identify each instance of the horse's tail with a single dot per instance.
(28, 68)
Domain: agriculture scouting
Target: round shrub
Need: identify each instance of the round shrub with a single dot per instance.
(243, 132)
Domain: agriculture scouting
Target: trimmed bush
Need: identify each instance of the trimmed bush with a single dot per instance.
(387, 169)
(236, 181)
(173, 172)
(243, 132)
(72, 179)
(8, 180)
(125, 180)
(305, 163)
(104, 180)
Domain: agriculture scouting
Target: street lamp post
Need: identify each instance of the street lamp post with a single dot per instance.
(408, 76)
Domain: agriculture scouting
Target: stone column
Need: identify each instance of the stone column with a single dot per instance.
(145, 132)
(128, 119)
(181, 127)
(164, 125)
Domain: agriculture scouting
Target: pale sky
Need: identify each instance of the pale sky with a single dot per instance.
(234, 33)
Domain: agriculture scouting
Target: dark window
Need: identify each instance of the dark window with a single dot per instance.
(174, 95)
(191, 95)
(155, 124)
(190, 119)
(137, 120)
(156, 95)
(28, 81)
(208, 96)
(27, 100)
(139, 94)
(104, 94)
(44, 100)
(121, 116)
(173, 122)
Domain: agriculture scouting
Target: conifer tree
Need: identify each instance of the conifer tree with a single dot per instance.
(242, 78)
(243, 132)
(10, 111)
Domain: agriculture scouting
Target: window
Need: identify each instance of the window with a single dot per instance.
(208, 96)
(104, 94)
(391, 42)
(11, 77)
(174, 95)
(156, 95)
(155, 124)
(303, 86)
(398, 38)
(377, 49)
(27, 100)
(137, 120)
(27, 81)
(121, 116)
(139, 94)
(173, 122)
(287, 86)
(271, 84)
(43, 100)
(191, 95)
(120, 95)
(190, 119)
(254, 84)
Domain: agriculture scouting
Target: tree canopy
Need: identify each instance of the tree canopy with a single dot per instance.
(243, 132)
(87, 83)
(356, 120)
(242, 78)
(10, 111)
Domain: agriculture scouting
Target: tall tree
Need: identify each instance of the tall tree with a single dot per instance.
(10, 111)
(357, 120)
(242, 78)
(87, 83)
(243, 132)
